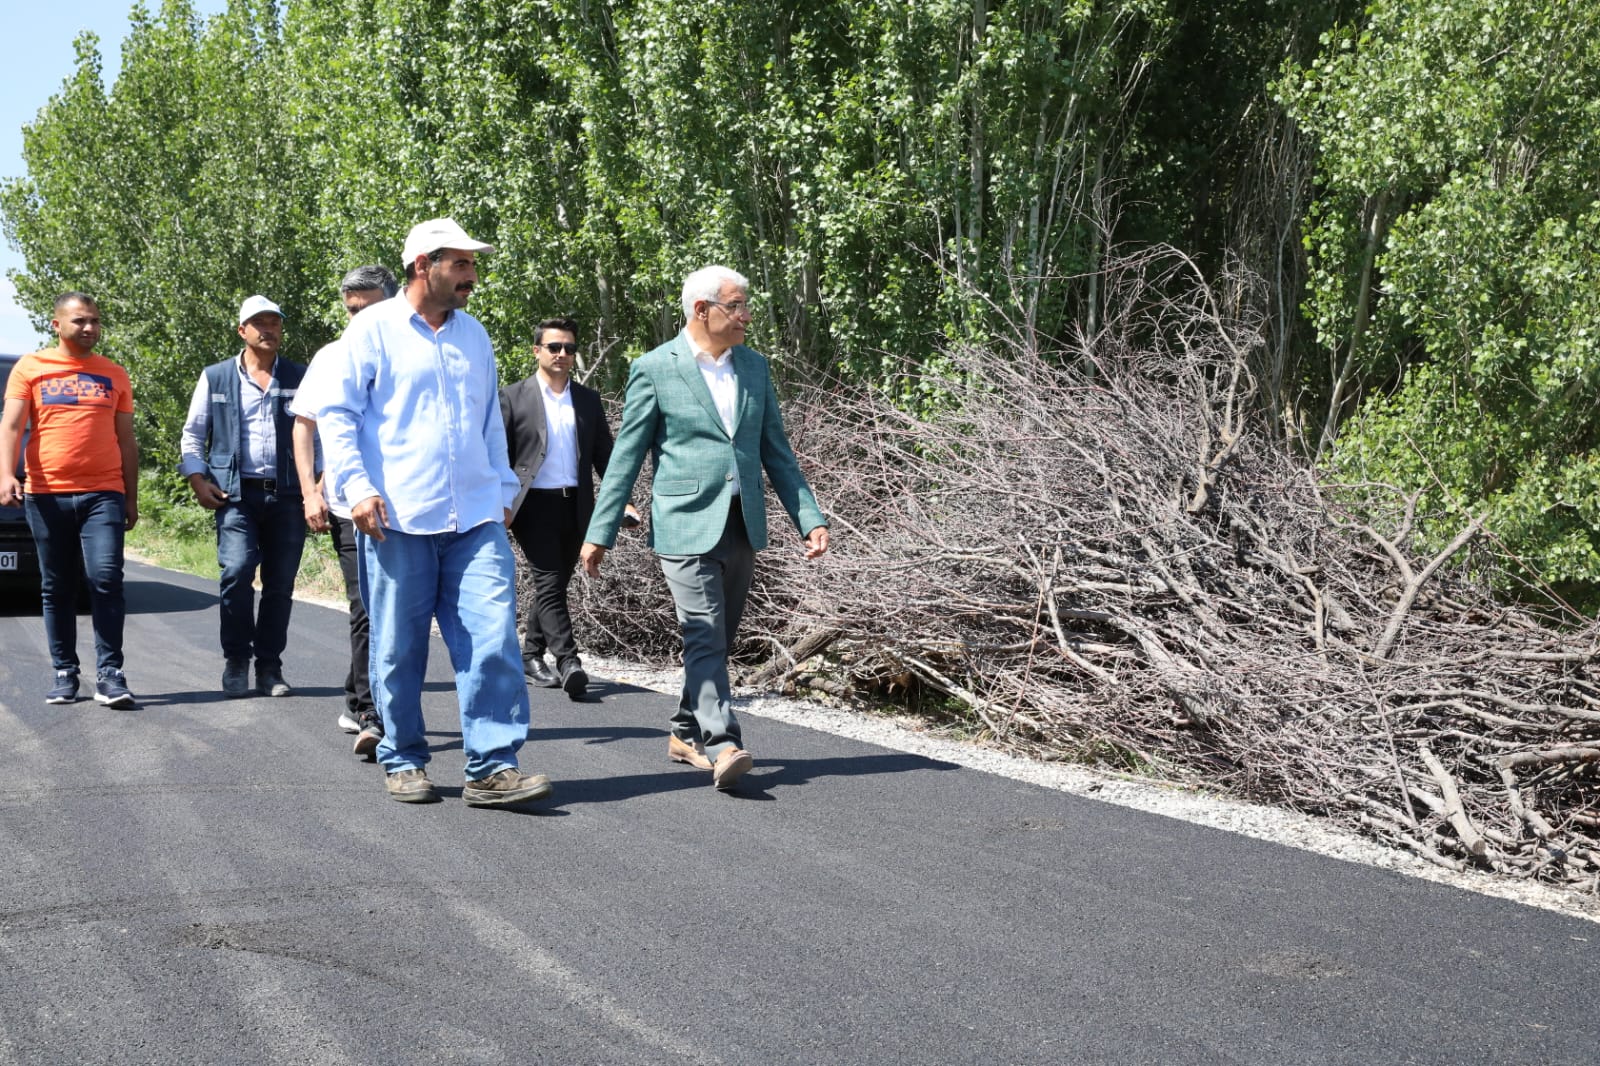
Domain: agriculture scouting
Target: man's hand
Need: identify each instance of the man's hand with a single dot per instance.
(370, 516)
(316, 511)
(508, 518)
(816, 542)
(10, 490)
(207, 492)
(591, 556)
(130, 513)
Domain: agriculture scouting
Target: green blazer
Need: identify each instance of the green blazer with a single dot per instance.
(668, 411)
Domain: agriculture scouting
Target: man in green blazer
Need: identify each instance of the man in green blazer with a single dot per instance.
(703, 407)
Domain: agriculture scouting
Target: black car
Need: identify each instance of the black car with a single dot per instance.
(19, 560)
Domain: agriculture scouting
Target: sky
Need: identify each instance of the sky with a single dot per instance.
(37, 62)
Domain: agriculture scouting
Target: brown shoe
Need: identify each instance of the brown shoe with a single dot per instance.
(410, 786)
(679, 750)
(731, 765)
(504, 788)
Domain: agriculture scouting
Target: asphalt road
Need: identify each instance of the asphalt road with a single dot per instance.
(213, 881)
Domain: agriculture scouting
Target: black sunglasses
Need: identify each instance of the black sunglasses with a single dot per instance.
(569, 349)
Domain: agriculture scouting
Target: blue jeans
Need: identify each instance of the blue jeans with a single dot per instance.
(467, 580)
(86, 528)
(267, 530)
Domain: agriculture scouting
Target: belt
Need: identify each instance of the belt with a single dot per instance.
(566, 490)
(266, 484)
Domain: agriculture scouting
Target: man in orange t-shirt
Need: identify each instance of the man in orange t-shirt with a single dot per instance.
(82, 488)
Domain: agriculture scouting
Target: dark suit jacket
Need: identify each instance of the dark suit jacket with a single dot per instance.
(522, 410)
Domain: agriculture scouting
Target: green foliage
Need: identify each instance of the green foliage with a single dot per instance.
(1460, 140)
(892, 175)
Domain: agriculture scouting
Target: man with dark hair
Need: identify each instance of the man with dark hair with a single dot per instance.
(412, 436)
(324, 510)
(238, 454)
(558, 440)
(82, 467)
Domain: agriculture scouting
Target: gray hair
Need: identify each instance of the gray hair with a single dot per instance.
(706, 284)
(367, 278)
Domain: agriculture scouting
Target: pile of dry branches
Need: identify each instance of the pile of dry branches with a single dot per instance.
(1092, 553)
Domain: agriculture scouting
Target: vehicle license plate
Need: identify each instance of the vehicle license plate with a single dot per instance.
(8, 560)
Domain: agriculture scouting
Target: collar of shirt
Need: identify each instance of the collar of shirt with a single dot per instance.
(244, 371)
(564, 396)
(705, 357)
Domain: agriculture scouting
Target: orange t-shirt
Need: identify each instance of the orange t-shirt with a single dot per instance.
(72, 405)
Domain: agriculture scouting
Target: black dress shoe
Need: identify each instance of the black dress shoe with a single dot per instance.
(539, 674)
(575, 682)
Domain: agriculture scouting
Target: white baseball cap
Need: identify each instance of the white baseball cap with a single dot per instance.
(257, 305)
(436, 233)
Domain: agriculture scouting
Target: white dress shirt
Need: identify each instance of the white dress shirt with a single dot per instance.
(717, 370)
(560, 467)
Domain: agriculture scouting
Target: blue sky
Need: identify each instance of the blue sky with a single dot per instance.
(39, 60)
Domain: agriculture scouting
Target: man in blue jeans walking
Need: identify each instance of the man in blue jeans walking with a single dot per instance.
(413, 441)
(238, 454)
(82, 489)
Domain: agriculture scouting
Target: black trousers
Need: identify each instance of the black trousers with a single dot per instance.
(547, 531)
(357, 687)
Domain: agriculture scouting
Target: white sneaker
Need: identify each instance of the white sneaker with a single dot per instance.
(348, 724)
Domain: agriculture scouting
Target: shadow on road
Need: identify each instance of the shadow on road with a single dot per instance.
(755, 785)
(791, 772)
(156, 597)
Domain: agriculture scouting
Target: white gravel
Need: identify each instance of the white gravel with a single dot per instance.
(1174, 801)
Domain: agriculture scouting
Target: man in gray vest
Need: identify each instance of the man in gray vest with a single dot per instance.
(238, 454)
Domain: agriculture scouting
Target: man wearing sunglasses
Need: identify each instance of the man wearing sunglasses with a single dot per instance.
(360, 289)
(703, 406)
(558, 440)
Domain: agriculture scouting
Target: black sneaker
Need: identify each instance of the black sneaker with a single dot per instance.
(270, 682)
(236, 678)
(65, 690)
(112, 690)
(366, 743)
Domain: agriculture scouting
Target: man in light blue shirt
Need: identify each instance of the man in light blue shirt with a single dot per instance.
(413, 442)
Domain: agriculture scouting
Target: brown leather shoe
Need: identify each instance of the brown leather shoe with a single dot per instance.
(410, 786)
(731, 765)
(505, 788)
(679, 750)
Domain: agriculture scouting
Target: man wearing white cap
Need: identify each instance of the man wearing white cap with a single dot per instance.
(238, 454)
(413, 442)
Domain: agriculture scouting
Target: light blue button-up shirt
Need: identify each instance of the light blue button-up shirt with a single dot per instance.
(415, 418)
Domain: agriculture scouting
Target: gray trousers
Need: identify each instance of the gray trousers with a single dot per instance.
(709, 592)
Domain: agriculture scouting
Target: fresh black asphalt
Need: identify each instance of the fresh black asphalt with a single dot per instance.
(212, 881)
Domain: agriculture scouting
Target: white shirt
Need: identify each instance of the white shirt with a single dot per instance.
(560, 467)
(717, 370)
(328, 361)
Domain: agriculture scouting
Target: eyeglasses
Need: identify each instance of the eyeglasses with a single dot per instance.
(736, 308)
(558, 349)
